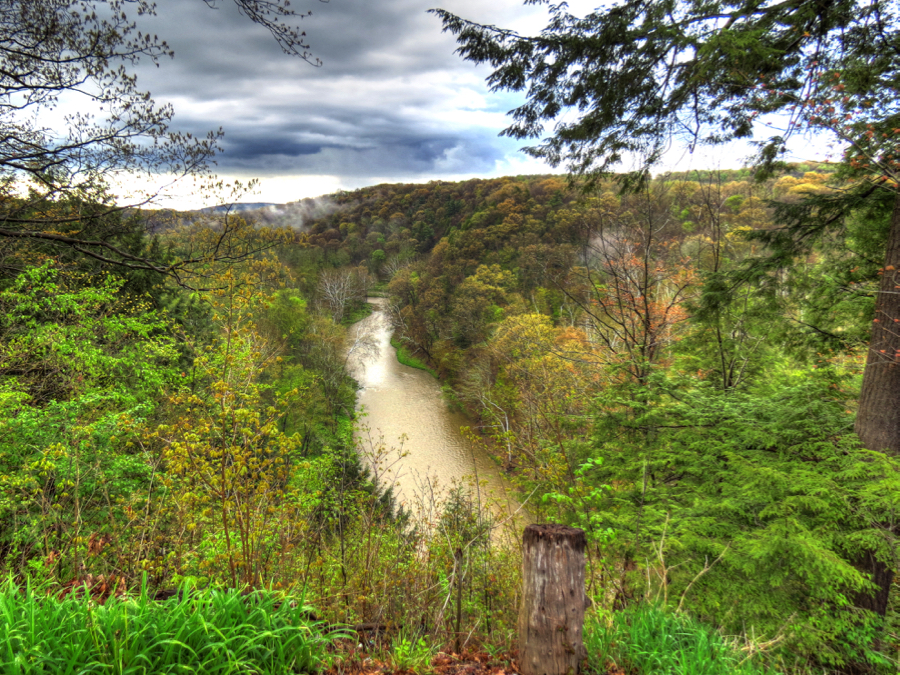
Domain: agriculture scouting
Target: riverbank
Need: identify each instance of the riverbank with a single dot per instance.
(407, 359)
(357, 313)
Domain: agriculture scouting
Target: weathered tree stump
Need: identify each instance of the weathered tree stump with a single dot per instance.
(551, 619)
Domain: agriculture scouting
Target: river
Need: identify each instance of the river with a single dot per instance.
(408, 435)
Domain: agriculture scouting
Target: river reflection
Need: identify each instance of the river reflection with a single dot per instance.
(404, 409)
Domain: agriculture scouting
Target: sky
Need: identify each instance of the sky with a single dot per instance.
(390, 103)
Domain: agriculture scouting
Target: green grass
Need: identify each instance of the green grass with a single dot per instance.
(217, 632)
(357, 313)
(649, 641)
(379, 290)
(407, 359)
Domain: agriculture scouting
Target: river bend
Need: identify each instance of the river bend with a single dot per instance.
(404, 407)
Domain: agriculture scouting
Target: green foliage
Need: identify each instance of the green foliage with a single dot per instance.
(198, 632)
(585, 500)
(702, 439)
(357, 313)
(835, 297)
(67, 473)
(432, 212)
(713, 67)
(750, 507)
(661, 388)
(311, 359)
(66, 334)
(81, 365)
(231, 478)
(216, 444)
(411, 654)
(407, 359)
(648, 640)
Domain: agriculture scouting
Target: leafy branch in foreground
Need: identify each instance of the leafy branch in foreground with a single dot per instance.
(58, 177)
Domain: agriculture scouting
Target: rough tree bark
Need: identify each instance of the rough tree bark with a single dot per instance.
(878, 417)
(551, 619)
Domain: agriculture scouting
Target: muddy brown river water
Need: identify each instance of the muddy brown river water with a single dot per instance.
(404, 409)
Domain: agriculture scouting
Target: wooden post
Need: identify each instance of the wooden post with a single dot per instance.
(458, 563)
(551, 619)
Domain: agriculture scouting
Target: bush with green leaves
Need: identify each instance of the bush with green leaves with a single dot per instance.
(81, 364)
(64, 334)
(411, 653)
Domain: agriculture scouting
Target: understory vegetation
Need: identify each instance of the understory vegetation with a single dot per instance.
(647, 639)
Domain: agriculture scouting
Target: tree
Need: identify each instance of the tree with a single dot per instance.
(80, 360)
(635, 283)
(340, 288)
(55, 180)
(632, 77)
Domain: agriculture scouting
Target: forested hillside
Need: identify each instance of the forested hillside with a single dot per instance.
(162, 433)
(644, 365)
(655, 368)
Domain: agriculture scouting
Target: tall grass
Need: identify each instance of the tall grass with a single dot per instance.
(206, 632)
(647, 640)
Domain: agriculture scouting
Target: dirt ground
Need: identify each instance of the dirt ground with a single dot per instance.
(467, 663)
(351, 662)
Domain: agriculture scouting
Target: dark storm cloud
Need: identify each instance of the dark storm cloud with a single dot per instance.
(390, 100)
(373, 150)
(249, 147)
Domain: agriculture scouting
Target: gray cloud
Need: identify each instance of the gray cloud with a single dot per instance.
(391, 100)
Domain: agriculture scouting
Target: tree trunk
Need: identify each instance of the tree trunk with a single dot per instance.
(551, 619)
(878, 418)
